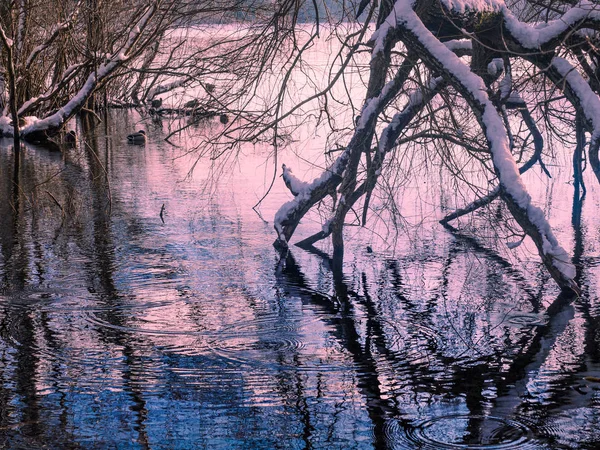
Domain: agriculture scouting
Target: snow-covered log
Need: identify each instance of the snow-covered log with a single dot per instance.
(39, 130)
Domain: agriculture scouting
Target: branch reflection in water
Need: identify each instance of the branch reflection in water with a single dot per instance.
(118, 328)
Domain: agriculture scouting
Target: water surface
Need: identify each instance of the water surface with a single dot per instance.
(122, 329)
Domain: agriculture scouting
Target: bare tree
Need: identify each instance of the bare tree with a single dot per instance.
(58, 57)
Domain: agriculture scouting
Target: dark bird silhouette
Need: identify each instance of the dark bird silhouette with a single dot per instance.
(156, 103)
(71, 139)
(223, 118)
(137, 138)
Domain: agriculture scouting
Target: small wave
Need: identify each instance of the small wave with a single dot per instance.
(462, 431)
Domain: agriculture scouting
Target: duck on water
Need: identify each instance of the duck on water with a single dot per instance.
(137, 138)
(70, 139)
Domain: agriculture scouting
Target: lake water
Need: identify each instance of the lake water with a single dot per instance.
(119, 329)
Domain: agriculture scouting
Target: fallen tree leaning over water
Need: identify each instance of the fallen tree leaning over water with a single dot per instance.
(518, 71)
(64, 57)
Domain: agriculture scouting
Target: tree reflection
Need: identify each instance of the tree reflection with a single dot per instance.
(340, 312)
(470, 374)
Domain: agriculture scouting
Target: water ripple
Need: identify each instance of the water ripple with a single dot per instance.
(412, 341)
(456, 431)
(272, 339)
(527, 320)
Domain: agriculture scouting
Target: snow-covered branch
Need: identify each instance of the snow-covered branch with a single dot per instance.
(69, 74)
(288, 216)
(585, 14)
(512, 188)
(461, 47)
(93, 81)
(295, 185)
(167, 87)
(58, 30)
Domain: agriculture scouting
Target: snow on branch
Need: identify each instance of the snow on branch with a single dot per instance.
(538, 35)
(167, 87)
(474, 91)
(294, 184)
(383, 34)
(462, 6)
(373, 106)
(67, 76)
(389, 136)
(538, 141)
(584, 99)
(401, 119)
(460, 46)
(57, 31)
(308, 194)
(136, 31)
(587, 99)
(93, 81)
(287, 217)
(473, 206)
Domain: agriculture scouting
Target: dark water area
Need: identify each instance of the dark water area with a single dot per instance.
(122, 329)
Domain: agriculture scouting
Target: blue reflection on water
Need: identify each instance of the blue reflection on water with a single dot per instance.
(119, 330)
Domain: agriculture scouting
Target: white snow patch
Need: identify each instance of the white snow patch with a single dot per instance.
(6, 129)
(505, 86)
(372, 104)
(25, 105)
(459, 44)
(534, 36)
(515, 98)
(461, 6)
(29, 120)
(495, 67)
(295, 185)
